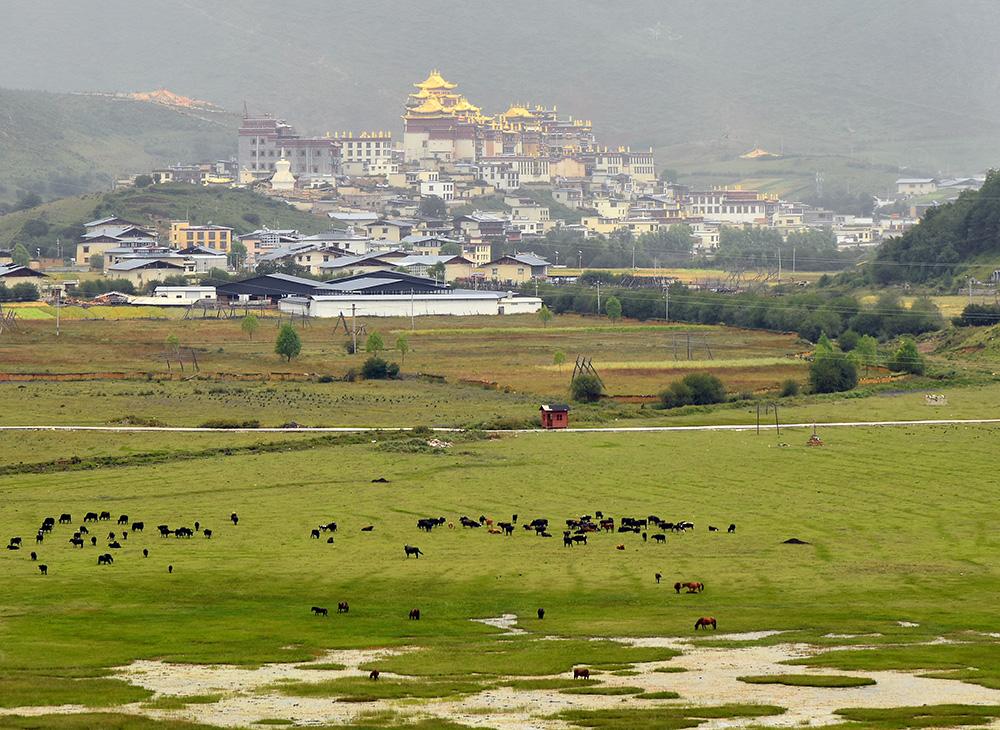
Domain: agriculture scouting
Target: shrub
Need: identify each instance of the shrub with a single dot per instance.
(697, 389)
(832, 374)
(288, 344)
(230, 423)
(848, 340)
(375, 368)
(907, 359)
(789, 388)
(979, 315)
(586, 388)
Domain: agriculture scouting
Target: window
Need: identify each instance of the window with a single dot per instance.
(86, 249)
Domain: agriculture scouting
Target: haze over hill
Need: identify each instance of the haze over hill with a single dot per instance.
(903, 83)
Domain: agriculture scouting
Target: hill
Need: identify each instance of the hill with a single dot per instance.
(956, 239)
(61, 220)
(56, 145)
(702, 82)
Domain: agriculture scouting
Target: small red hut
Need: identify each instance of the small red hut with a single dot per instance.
(555, 415)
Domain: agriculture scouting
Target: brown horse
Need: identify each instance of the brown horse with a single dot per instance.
(704, 622)
(581, 673)
(691, 586)
(373, 675)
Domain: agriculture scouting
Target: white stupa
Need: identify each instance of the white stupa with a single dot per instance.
(282, 180)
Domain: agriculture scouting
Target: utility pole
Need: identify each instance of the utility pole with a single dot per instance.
(666, 302)
(779, 265)
(58, 302)
(413, 325)
(633, 257)
(598, 298)
(581, 258)
(970, 290)
(793, 262)
(354, 330)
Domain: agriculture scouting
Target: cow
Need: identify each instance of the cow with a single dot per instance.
(34, 556)
(125, 536)
(329, 541)
(645, 537)
(105, 559)
(368, 528)
(48, 522)
(320, 611)
(123, 519)
(84, 530)
(581, 673)
(713, 528)
(541, 614)
(414, 614)
(658, 577)
(183, 532)
(342, 607)
(65, 518)
(145, 552)
(732, 529)
(314, 534)
(77, 542)
(170, 569)
(197, 525)
(513, 518)
(104, 516)
(90, 517)
(15, 541)
(13, 547)
(329, 527)
(373, 675)
(43, 569)
(164, 530)
(138, 526)
(114, 545)
(413, 550)
(619, 547)
(234, 518)
(111, 536)
(207, 533)
(567, 540)
(40, 537)
(659, 537)
(580, 538)
(93, 541)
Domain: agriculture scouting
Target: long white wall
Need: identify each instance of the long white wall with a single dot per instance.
(403, 305)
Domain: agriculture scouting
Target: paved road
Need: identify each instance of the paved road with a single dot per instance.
(602, 429)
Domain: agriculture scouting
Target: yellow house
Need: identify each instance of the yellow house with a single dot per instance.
(514, 269)
(183, 235)
(603, 226)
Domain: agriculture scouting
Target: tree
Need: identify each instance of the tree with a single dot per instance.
(375, 368)
(586, 388)
(24, 292)
(143, 181)
(437, 271)
(545, 316)
(559, 358)
(614, 308)
(173, 344)
(432, 206)
(697, 389)
(20, 255)
(97, 262)
(374, 344)
(403, 347)
(865, 352)
(832, 374)
(288, 344)
(789, 388)
(848, 340)
(249, 325)
(907, 359)
(237, 255)
(451, 249)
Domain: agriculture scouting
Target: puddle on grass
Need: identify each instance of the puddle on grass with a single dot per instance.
(507, 623)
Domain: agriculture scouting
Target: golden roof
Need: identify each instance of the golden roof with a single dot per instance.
(464, 105)
(516, 111)
(435, 81)
(431, 106)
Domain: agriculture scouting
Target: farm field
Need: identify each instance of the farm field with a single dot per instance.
(901, 553)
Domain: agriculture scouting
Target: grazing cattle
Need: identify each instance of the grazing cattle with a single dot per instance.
(43, 569)
(342, 607)
(368, 528)
(320, 611)
(658, 577)
(329, 541)
(93, 541)
(541, 614)
(124, 536)
(513, 518)
(84, 530)
(207, 533)
(39, 538)
(145, 552)
(115, 545)
(170, 569)
(105, 559)
(415, 614)
(330, 527)
(104, 516)
(111, 536)
(545, 534)
(619, 547)
(712, 528)
(645, 537)
(704, 622)
(15, 541)
(507, 528)
(90, 517)
(659, 537)
(138, 526)
(48, 521)
(13, 547)
(409, 550)
(77, 542)
(197, 526)
(373, 675)
(581, 673)
(580, 538)
(183, 532)
(65, 518)
(495, 531)
(34, 555)
(123, 519)
(164, 530)
(608, 525)
(732, 529)
(482, 519)
(567, 541)
(235, 518)
(314, 534)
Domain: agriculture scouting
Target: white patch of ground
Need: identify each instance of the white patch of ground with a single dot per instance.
(851, 636)
(907, 624)
(507, 623)
(710, 679)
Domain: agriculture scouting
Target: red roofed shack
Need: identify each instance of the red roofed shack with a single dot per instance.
(555, 415)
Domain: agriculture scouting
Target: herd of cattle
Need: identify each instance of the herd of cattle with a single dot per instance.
(81, 535)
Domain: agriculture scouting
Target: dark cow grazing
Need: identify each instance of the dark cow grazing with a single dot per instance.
(329, 541)
(314, 534)
(543, 533)
(104, 516)
(712, 528)
(580, 538)
(164, 530)
(123, 519)
(658, 577)
(170, 569)
(183, 532)
(567, 540)
(619, 547)
(373, 675)
(704, 622)
(342, 607)
(90, 517)
(732, 529)
(645, 537)
(507, 527)
(207, 533)
(541, 614)
(115, 545)
(197, 526)
(235, 518)
(138, 526)
(413, 550)
(105, 559)
(415, 614)
(39, 538)
(13, 547)
(581, 673)
(65, 518)
(93, 541)
(380, 480)
(368, 528)
(43, 569)
(48, 522)
(145, 552)
(15, 541)
(111, 536)
(513, 518)
(660, 537)
(84, 530)
(34, 556)
(329, 527)
(76, 542)
(125, 536)
(320, 611)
